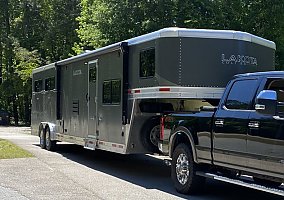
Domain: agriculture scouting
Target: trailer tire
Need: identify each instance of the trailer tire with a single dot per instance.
(50, 144)
(183, 171)
(42, 137)
(150, 134)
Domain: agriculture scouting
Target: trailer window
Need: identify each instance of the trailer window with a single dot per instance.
(115, 91)
(50, 83)
(111, 92)
(107, 92)
(147, 63)
(92, 74)
(38, 86)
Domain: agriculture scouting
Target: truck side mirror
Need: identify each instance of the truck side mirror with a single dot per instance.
(266, 102)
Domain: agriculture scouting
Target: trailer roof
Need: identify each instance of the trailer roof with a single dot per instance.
(45, 67)
(173, 32)
(202, 33)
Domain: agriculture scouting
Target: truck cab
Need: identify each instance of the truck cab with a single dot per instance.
(248, 129)
(244, 135)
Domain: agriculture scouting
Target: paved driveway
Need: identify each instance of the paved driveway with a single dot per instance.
(75, 173)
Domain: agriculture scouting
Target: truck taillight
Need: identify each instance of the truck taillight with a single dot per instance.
(162, 125)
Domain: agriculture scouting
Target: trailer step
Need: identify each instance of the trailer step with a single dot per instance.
(90, 143)
(245, 182)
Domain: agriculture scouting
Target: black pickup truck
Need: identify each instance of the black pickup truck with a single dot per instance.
(242, 137)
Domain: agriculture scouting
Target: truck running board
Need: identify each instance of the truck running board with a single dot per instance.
(243, 182)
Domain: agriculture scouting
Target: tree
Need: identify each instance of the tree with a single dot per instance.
(104, 22)
(107, 21)
(35, 32)
(32, 33)
(59, 28)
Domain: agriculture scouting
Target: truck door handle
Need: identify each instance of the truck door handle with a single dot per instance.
(253, 124)
(219, 122)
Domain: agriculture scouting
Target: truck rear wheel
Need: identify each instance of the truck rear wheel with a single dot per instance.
(50, 144)
(42, 138)
(183, 171)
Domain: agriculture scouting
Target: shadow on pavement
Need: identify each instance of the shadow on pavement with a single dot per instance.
(152, 173)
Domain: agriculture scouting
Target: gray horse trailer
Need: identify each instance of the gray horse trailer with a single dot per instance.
(112, 98)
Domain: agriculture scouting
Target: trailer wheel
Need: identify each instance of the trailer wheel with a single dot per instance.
(150, 135)
(50, 144)
(42, 137)
(183, 171)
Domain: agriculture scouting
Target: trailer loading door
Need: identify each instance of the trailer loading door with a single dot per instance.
(110, 79)
(92, 101)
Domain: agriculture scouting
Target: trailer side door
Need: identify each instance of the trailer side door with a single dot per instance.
(92, 98)
(110, 98)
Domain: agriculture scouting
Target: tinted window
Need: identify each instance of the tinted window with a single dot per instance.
(38, 86)
(115, 91)
(147, 63)
(111, 92)
(241, 94)
(50, 83)
(92, 74)
(278, 86)
(107, 92)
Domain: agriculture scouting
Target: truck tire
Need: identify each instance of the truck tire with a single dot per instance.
(150, 135)
(50, 144)
(183, 171)
(42, 138)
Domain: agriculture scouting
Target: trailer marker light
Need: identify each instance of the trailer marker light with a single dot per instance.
(164, 89)
(137, 91)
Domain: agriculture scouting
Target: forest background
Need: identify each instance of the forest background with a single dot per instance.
(38, 32)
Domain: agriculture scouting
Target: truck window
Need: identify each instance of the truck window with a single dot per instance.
(241, 95)
(38, 86)
(278, 86)
(147, 63)
(111, 92)
(50, 83)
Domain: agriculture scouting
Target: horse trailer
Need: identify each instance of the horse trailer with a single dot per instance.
(112, 98)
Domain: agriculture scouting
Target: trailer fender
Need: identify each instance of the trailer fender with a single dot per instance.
(51, 128)
(182, 135)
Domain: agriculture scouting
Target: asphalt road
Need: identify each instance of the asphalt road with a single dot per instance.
(75, 173)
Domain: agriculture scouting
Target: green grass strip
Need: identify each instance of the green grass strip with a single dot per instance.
(9, 150)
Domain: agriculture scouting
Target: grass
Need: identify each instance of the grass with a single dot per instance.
(9, 150)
